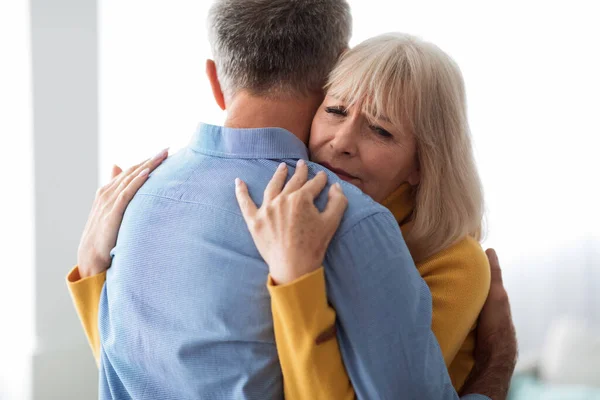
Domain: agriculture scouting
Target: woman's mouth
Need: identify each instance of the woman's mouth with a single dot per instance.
(343, 175)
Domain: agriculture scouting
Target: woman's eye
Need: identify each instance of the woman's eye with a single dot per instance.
(380, 131)
(337, 110)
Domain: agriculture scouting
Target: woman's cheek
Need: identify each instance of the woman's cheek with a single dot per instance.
(318, 138)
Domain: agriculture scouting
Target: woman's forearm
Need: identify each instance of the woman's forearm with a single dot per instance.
(306, 341)
(86, 293)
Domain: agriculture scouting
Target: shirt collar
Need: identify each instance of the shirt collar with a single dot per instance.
(270, 143)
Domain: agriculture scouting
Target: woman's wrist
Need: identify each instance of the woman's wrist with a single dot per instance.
(288, 274)
(87, 271)
(90, 266)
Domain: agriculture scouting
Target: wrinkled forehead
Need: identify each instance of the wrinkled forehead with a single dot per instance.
(382, 105)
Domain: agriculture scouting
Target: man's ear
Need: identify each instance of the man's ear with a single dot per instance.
(211, 73)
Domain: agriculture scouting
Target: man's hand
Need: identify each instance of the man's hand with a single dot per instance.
(496, 348)
(104, 221)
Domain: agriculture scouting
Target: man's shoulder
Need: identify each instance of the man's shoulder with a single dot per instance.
(192, 178)
(360, 206)
(363, 210)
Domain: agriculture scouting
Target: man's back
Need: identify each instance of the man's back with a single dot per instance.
(185, 313)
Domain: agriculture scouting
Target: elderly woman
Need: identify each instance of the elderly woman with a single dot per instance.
(394, 125)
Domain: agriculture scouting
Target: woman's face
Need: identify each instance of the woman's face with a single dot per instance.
(371, 154)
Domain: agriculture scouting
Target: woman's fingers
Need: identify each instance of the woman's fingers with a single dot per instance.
(299, 178)
(116, 170)
(125, 196)
(119, 178)
(246, 204)
(125, 179)
(276, 183)
(336, 205)
(316, 185)
(134, 171)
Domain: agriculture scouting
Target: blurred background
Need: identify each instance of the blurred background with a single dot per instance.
(85, 84)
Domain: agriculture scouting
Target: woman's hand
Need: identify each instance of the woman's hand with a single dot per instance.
(290, 233)
(102, 227)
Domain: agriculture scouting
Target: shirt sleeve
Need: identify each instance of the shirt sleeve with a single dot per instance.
(86, 298)
(384, 314)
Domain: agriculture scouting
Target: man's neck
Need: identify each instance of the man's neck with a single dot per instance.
(294, 115)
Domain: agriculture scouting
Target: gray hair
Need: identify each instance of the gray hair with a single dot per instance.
(274, 47)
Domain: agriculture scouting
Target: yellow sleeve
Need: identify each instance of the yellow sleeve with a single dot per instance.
(86, 297)
(308, 349)
(459, 281)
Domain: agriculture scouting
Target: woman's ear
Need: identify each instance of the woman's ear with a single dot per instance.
(211, 73)
(415, 176)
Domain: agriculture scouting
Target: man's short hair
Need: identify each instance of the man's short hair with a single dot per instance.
(274, 47)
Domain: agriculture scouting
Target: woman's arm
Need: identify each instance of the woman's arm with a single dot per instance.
(459, 281)
(304, 323)
(306, 340)
(85, 281)
(85, 293)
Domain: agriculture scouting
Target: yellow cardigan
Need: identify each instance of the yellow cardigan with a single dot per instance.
(458, 278)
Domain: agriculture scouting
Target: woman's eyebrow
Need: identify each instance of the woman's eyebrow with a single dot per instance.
(378, 118)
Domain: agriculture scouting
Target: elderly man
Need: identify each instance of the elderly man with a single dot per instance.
(185, 313)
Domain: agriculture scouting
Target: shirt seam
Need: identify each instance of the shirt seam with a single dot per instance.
(190, 202)
(360, 219)
(340, 235)
(220, 154)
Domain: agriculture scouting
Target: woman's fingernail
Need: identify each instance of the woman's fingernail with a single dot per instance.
(144, 172)
(338, 187)
(300, 163)
(237, 181)
(161, 154)
(281, 166)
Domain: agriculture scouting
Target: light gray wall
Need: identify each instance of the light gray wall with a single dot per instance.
(65, 106)
(16, 202)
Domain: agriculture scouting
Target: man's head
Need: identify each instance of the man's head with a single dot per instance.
(277, 48)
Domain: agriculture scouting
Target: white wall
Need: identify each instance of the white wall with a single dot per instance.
(153, 90)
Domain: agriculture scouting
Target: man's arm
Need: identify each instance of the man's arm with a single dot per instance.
(384, 314)
(384, 321)
(496, 351)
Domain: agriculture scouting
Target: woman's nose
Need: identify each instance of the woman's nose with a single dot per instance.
(344, 141)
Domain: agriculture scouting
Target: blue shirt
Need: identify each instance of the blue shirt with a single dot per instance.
(185, 312)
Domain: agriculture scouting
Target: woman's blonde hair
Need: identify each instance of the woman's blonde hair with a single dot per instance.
(420, 89)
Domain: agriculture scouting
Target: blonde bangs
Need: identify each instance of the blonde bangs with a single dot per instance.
(375, 76)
